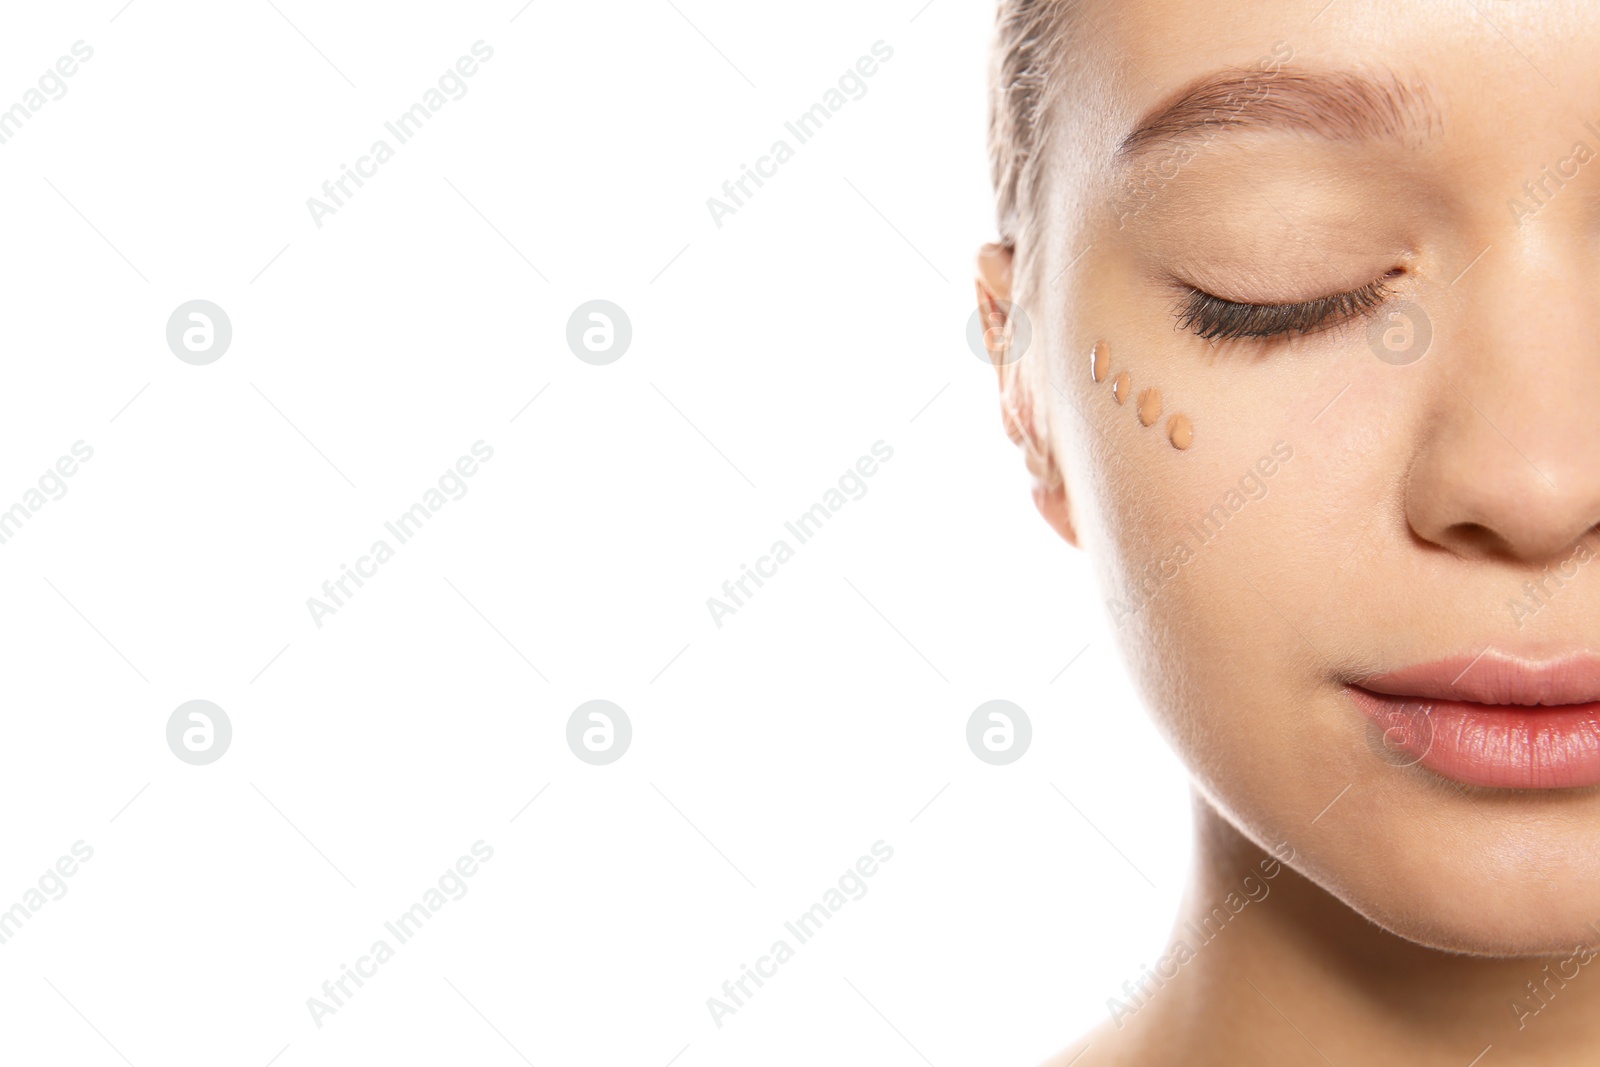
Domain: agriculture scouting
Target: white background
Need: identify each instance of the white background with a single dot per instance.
(369, 754)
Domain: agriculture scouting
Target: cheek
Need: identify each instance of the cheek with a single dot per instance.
(1226, 600)
(1211, 555)
(1197, 555)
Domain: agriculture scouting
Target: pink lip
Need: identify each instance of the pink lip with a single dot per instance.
(1493, 719)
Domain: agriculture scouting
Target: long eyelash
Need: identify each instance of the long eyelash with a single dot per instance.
(1216, 319)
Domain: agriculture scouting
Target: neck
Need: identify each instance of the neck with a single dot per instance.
(1264, 966)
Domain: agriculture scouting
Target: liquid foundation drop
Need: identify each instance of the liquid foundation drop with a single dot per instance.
(1100, 361)
(1122, 387)
(1180, 431)
(1149, 406)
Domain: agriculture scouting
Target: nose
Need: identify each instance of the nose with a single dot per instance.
(1510, 466)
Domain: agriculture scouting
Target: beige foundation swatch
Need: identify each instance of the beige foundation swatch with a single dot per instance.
(1150, 406)
(1180, 431)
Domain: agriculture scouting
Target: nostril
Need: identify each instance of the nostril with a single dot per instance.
(1477, 539)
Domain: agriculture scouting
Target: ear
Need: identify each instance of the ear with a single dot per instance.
(1016, 393)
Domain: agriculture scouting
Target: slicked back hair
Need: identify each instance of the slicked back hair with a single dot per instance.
(1028, 46)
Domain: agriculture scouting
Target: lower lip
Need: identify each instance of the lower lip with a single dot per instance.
(1499, 746)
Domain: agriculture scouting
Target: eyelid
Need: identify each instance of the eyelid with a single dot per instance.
(1217, 318)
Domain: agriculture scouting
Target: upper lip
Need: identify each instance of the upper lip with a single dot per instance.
(1495, 677)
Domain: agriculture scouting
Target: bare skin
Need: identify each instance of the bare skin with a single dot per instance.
(1298, 979)
(1421, 494)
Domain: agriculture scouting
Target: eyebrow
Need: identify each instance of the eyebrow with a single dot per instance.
(1335, 105)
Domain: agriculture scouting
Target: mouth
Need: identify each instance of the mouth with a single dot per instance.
(1492, 719)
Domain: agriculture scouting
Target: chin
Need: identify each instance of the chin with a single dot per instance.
(1504, 887)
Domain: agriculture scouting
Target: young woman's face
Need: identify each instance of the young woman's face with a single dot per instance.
(1372, 464)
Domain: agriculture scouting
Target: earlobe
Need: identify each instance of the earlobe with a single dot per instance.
(1053, 504)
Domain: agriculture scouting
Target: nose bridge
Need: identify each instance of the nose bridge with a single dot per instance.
(1511, 464)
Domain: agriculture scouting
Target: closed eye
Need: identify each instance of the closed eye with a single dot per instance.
(1217, 319)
